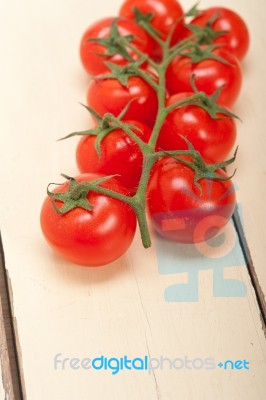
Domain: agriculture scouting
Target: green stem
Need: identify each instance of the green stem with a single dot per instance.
(161, 115)
(178, 48)
(172, 153)
(187, 101)
(147, 78)
(152, 63)
(98, 189)
(128, 131)
(143, 225)
(153, 34)
(140, 198)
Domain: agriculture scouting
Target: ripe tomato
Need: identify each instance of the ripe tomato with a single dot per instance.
(179, 210)
(91, 53)
(213, 138)
(209, 74)
(165, 13)
(236, 40)
(90, 238)
(109, 95)
(119, 155)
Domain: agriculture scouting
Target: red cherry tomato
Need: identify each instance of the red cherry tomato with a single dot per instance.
(236, 40)
(180, 211)
(209, 74)
(109, 95)
(90, 238)
(92, 53)
(166, 13)
(119, 155)
(213, 138)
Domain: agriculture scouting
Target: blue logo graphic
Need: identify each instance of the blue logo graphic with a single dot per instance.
(143, 363)
(238, 364)
(216, 254)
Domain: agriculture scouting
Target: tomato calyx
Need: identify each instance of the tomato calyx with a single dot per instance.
(144, 20)
(207, 33)
(123, 73)
(76, 196)
(107, 124)
(204, 101)
(115, 43)
(201, 169)
(198, 53)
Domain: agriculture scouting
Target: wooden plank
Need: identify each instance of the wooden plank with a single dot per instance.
(10, 388)
(250, 166)
(131, 307)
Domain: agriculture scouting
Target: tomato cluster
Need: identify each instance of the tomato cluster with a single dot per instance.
(162, 85)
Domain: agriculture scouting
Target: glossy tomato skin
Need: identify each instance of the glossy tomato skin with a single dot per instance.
(209, 75)
(109, 95)
(119, 155)
(91, 52)
(166, 13)
(90, 238)
(179, 211)
(237, 39)
(213, 138)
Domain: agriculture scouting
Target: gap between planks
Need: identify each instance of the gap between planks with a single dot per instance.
(250, 267)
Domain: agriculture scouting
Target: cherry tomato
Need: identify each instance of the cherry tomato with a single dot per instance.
(236, 40)
(119, 155)
(213, 138)
(92, 53)
(210, 74)
(166, 13)
(90, 238)
(109, 95)
(179, 210)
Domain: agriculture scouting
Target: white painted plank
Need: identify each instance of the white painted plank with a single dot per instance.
(250, 164)
(118, 310)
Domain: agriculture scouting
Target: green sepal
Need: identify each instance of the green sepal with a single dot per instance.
(70, 203)
(115, 43)
(88, 132)
(92, 112)
(145, 19)
(204, 101)
(193, 11)
(198, 54)
(101, 135)
(206, 34)
(76, 196)
(122, 73)
(209, 102)
(200, 168)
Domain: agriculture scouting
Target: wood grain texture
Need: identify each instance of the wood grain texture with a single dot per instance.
(121, 309)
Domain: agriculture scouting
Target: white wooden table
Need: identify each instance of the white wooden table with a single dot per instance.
(130, 307)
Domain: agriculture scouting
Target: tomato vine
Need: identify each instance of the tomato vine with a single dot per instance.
(117, 44)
